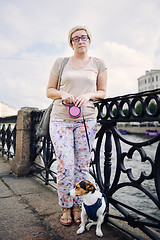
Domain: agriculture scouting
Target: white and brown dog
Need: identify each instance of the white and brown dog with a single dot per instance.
(93, 206)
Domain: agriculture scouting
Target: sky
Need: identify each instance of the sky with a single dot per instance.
(33, 33)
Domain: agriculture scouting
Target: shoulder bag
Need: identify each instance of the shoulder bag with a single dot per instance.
(43, 128)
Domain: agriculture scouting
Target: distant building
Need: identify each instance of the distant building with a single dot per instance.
(150, 81)
(6, 110)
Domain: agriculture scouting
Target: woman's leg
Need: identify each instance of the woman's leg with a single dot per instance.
(62, 138)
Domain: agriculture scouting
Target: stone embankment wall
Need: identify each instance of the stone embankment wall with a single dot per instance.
(137, 128)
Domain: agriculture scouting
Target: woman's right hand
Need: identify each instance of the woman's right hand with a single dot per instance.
(68, 98)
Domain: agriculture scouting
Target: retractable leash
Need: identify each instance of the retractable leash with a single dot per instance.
(73, 111)
(76, 112)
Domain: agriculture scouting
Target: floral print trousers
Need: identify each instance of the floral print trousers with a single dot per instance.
(73, 155)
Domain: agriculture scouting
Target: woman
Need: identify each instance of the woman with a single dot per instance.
(83, 80)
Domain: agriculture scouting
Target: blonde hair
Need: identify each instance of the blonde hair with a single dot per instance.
(74, 29)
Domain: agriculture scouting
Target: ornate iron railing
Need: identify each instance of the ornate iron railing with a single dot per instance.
(8, 136)
(123, 169)
(110, 112)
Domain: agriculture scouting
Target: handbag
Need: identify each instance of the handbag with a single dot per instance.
(43, 128)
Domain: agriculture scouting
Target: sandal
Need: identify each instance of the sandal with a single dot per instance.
(77, 214)
(66, 219)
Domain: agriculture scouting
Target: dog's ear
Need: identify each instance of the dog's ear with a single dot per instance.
(83, 184)
(90, 188)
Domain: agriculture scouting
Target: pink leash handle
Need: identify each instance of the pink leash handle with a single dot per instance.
(73, 111)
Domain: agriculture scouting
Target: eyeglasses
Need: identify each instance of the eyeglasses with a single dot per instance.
(77, 39)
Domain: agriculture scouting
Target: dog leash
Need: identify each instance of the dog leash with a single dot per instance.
(86, 132)
(103, 194)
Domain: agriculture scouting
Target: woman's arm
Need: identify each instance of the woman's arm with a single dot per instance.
(53, 93)
(99, 94)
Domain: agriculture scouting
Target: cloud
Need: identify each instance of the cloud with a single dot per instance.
(34, 33)
(7, 47)
(124, 66)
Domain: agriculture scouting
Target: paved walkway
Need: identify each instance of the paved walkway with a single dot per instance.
(29, 210)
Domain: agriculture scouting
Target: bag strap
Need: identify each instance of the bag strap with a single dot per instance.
(63, 64)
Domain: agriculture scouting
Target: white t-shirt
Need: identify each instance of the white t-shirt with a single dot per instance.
(77, 81)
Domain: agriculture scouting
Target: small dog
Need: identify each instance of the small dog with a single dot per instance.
(93, 207)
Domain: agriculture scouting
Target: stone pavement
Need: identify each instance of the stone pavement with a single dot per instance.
(29, 210)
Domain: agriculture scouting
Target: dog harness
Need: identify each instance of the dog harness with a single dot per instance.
(92, 209)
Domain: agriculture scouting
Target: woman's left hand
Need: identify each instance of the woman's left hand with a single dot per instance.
(82, 99)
